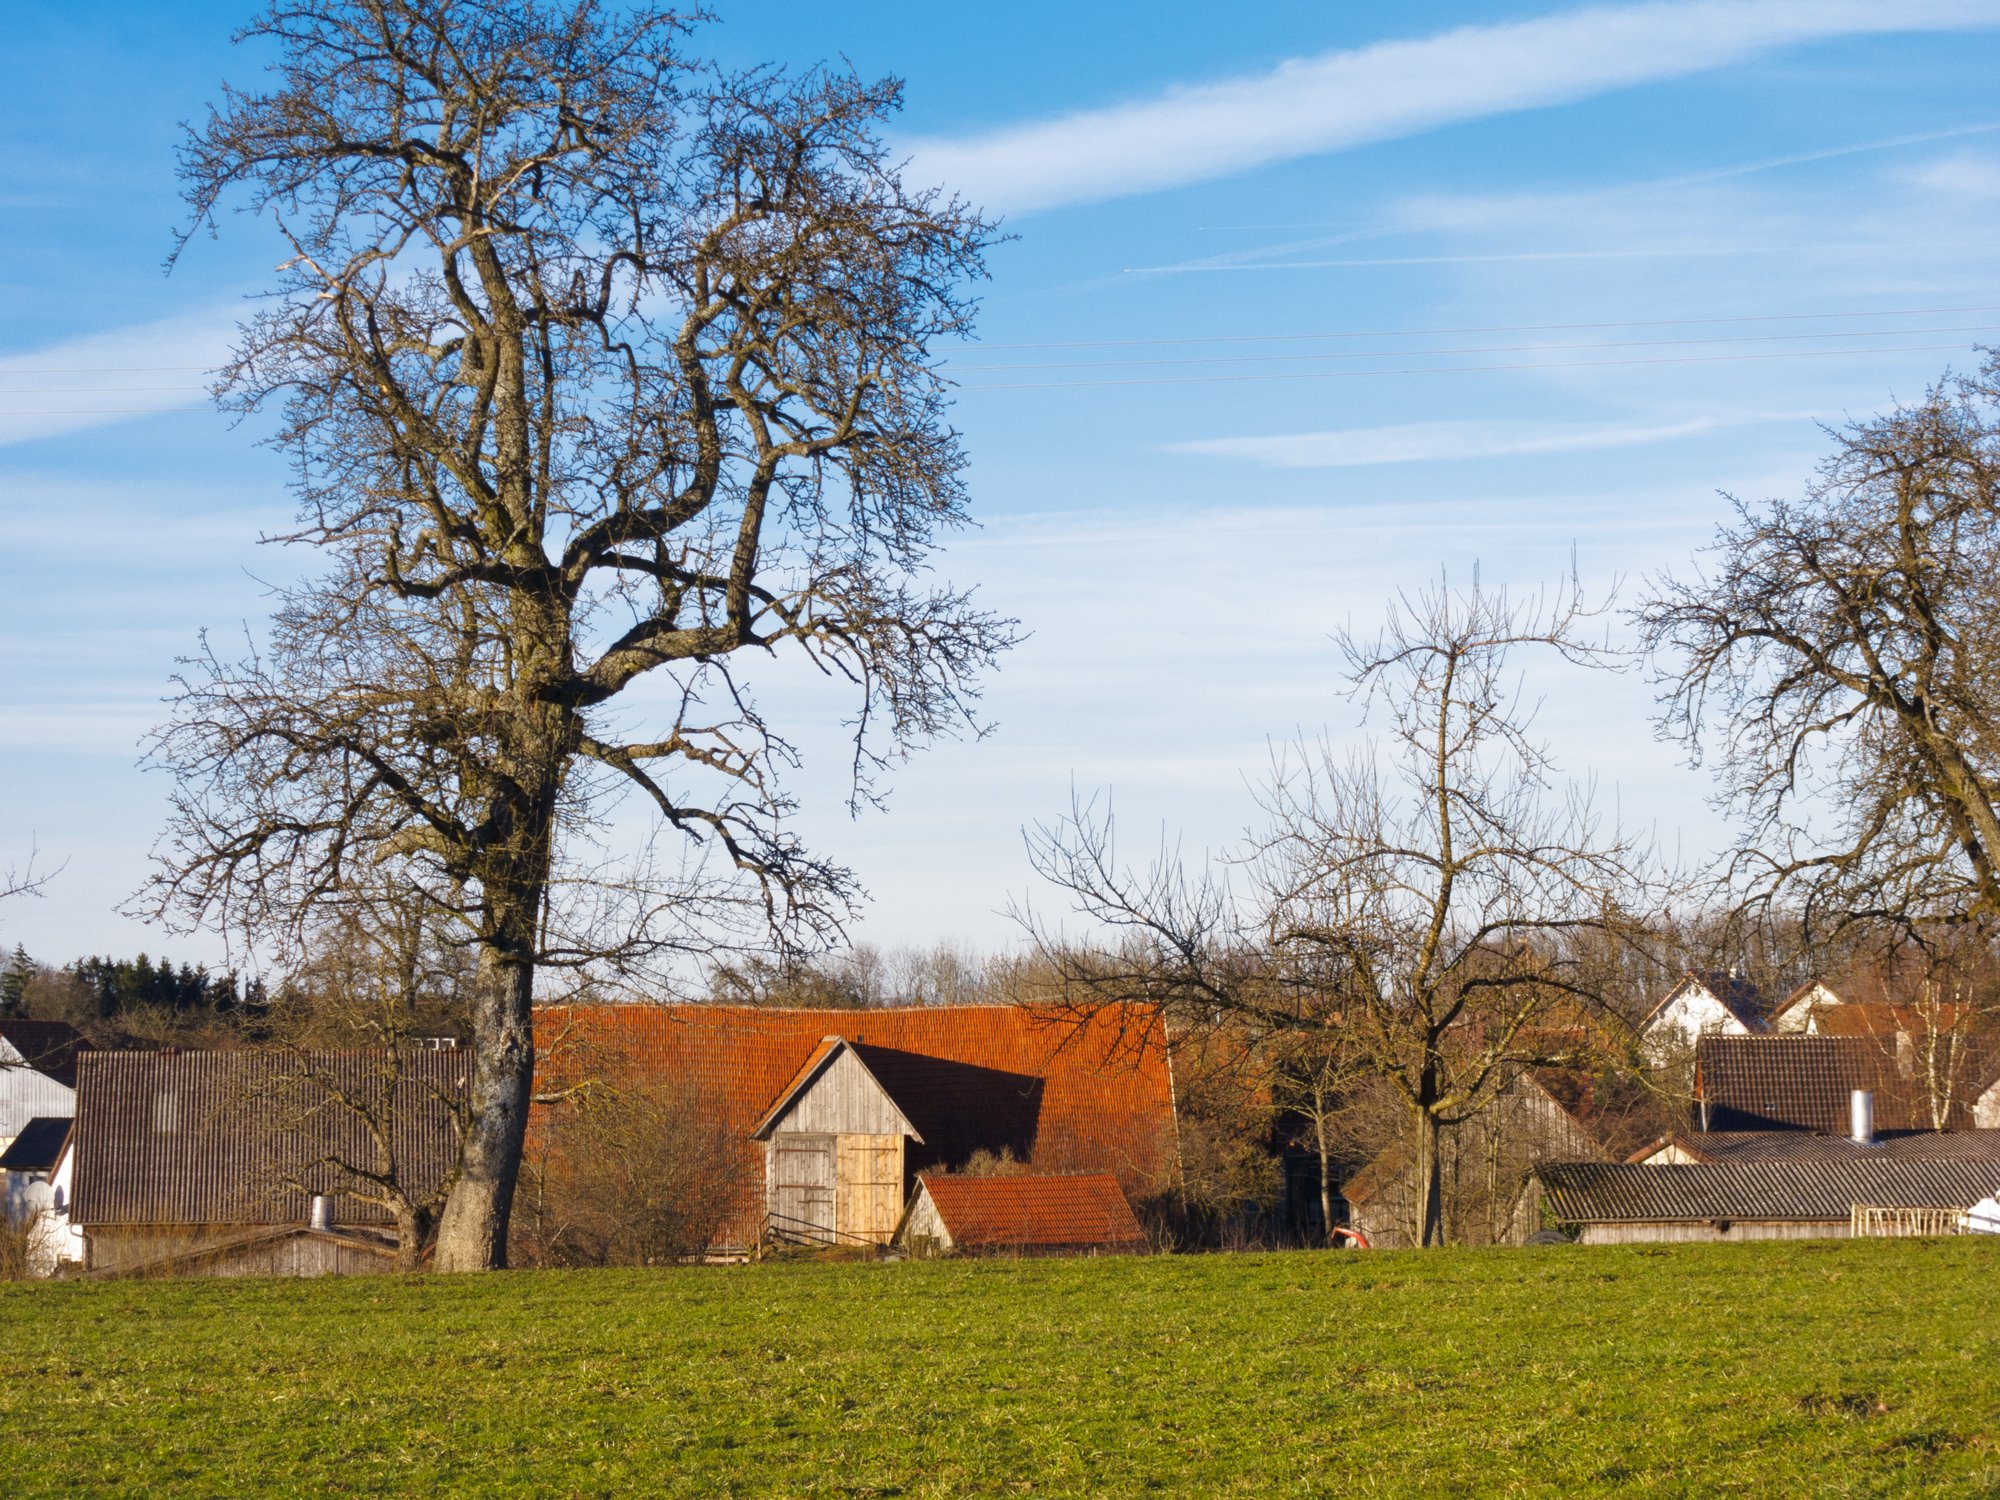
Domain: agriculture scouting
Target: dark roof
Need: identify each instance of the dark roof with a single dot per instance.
(1813, 1191)
(38, 1145)
(968, 1077)
(49, 1047)
(1802, 1145)
(244, 1137)
(1034, 1212)
(1795, 1082)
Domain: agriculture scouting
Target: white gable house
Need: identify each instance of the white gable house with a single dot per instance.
(1702, 1005)
(1802, 1009)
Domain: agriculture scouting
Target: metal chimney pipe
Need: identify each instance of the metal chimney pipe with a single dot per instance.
(320, 1215)
(1861, 1116)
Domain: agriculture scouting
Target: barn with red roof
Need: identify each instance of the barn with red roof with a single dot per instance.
(842, 1109)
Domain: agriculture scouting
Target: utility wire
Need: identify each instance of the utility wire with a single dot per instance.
(1244, 338)
(1569, 364)
(1237, 359)
(1394, 333)
(1216, 359)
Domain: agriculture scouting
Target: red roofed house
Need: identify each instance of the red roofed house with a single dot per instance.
(1081, 1212)
(844, 1108)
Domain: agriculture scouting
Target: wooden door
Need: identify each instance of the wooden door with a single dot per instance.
(871, 1187)
(801, 1192)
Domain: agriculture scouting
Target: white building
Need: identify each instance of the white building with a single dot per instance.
(37, 1074)
(1703, 1005)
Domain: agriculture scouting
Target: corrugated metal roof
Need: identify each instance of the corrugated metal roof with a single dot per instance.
(1797, 1082)
(969, 1077)
(1814, 1191)
(38, 1145)
(1034, 1212)
(49, 1047)
(1801, 1145)
(213, 1137)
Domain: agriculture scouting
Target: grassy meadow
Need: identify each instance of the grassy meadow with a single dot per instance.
(1806, 1369)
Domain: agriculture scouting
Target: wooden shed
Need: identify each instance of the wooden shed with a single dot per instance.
(834, 1142)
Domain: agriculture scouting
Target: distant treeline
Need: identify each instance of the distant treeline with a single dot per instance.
(110, 989)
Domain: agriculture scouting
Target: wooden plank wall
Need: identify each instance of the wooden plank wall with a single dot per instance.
(869, 1193)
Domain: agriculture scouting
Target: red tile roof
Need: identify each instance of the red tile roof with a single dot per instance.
(1094, 1096)
(1034, 1213)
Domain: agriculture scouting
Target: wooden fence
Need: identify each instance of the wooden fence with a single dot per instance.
(1870, 1222)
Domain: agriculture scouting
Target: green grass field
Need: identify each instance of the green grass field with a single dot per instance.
(1806, 1369)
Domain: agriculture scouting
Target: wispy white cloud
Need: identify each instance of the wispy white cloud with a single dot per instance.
(1343, 99)
(1429, 442)
(1960, 176)
(116, 376)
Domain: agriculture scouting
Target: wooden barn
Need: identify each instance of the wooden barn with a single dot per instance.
(1079, 1213)
(1489, 1193)
(843, 1109)
(1607, 1203)
(240, 1163)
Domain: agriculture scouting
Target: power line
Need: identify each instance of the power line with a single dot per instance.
(1243, 338)
(1569, 364)
(1200, 359)
(1398, 333)
(1219, 359)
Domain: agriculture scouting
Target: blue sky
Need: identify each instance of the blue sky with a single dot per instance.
(1306, 303)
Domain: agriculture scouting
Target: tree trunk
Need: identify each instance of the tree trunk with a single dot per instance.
(1325, 1174)
(472, 1233)
(1430, 1188)
(411, 1231)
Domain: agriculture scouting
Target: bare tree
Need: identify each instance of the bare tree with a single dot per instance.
(26, 881)
(1838, 669)
(1423, 901)
(626, 1169)
(378, 1125)
(603, 373)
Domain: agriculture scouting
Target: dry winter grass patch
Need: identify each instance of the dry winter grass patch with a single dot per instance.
(1825, 1369)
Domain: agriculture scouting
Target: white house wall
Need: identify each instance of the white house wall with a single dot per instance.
(1691, 1012)
(26, 1094)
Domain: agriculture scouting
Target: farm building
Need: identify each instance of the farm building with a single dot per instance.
(1801, 1145)
(840, 1110)
(1799, 1081)
(1800, 1198)
(37, 1073)
(35, 1186)
(1486, 1166)
(245, 1163)
(1019, 1214)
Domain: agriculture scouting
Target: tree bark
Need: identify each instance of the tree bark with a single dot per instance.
(472, 1233)
(1430, 1188)
(1325, 1174)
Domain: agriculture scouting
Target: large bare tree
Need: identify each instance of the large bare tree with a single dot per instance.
(1418, 906)
(1839, 667)
(603, 373)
